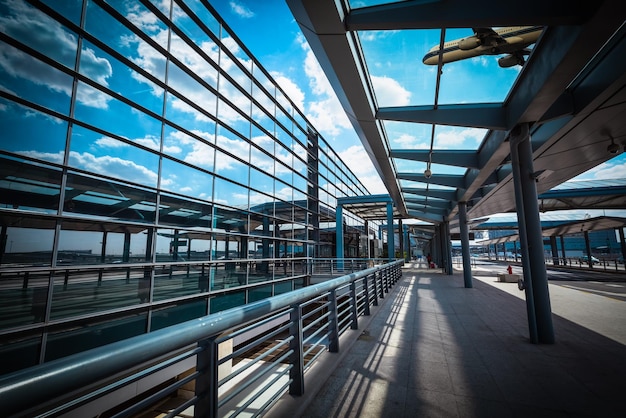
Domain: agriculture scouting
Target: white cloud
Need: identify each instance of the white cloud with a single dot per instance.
(114, 166)
(468, 138)
(410, 141)
(241, 10)
(614, 169)
(324, 111)
(389, 92)
(359, 162)
(291, 89)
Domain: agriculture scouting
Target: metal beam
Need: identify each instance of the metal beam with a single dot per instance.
(476, 115)
(449, 180)
(463, 14)
(437, 193)
(455, 158)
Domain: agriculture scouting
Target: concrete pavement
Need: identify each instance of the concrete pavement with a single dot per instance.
(437, 349)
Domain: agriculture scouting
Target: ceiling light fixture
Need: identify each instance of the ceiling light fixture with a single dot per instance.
(428, 173)
(613, 148)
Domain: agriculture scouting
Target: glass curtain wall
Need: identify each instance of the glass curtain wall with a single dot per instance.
(151, 172)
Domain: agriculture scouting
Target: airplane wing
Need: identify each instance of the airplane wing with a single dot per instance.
(488, 37)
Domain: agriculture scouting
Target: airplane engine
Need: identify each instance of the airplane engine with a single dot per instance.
(469, 43)
(510, 61)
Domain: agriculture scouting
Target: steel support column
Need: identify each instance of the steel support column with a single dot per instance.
(465, 245)
(339, 235)
(391, 245)
(533, 261)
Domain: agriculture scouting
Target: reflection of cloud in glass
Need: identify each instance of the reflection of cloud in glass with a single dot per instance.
(56, 157)
(113, 166)
(235, 147)
(150, 141)
(48, 36)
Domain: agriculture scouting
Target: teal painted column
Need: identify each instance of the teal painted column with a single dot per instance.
(339, 235)
(391, 245)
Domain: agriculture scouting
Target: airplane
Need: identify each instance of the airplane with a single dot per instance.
(512, 41)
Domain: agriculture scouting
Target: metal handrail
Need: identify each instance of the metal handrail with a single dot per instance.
(47, 385)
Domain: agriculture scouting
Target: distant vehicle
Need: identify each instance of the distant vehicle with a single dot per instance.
(512, 41)
(585, 260)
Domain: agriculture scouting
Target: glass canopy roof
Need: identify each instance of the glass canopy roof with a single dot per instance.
(438, 132)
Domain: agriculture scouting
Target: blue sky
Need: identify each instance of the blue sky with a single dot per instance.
(268, 29)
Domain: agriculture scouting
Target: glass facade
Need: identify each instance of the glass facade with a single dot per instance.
(151, 172)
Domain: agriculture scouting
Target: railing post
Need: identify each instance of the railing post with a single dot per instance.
(385, 274)
(375, 281)
(296, 374)
(333, 323)
(353, 308)
(381, 283)
(366, 307)
(206, 382)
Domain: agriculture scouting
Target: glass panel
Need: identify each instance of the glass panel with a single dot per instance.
(259, 293)
(284, 192)
(68, 8)
(230, 220)
(23, 298)
(109, 72)
(239, 101)
(90, 243)
(32, 80)
(28, 243)
(283, 287)
(229, 193)
(192, 119)
(204, 15)
(99, 109)
(229, 247)
(101, 154)
(19, 351)
(22, 129)
(195, 62)
(94, 333)
(39, 31)
(172, 315)
(188, 87)
(180, 178)
(26, 186)
(233, 119)
(87, 291)
(185, 213)
(261, 182)
(227, 301)
(109, 30)
(144, 19)
(174, 281)
(108, 199)
(259, 157)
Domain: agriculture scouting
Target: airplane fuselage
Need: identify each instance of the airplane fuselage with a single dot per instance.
(517, 38)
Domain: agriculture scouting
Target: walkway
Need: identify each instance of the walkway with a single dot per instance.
(436, 349)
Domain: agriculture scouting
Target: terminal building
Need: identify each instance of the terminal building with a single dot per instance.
(152, 172)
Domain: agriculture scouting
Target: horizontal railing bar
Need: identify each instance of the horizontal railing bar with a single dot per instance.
(253, 326)
(149, 400)
(262, 390)
(317, 321)
(249, 381)
(254, 343)
(254, 361)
